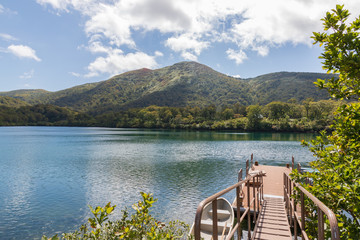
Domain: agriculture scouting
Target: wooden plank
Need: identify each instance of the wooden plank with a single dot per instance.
(272, 226)
(267, 225)
(273, 180)
(265, 236)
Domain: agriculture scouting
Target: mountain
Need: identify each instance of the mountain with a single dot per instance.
(282, 86)
(182, 84)
(30, 96)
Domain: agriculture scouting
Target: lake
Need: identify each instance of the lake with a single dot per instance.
(49, 175)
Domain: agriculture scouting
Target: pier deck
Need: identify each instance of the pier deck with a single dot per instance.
(273, 182)
(273, 220)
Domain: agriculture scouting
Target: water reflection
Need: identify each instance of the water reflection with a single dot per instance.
(52, 174)
(211, 136)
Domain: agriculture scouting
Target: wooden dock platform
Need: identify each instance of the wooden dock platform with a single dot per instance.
(273, 220)
(273, 179)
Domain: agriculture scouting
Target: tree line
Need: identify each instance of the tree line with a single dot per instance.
(307, 116)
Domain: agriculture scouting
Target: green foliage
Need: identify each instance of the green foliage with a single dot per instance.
(336, 175)
(283, 86)
(341, 54)
(42, 115)
(11, 102)
(229, 117)
(277, 110)
(254, 117)
(140, 225)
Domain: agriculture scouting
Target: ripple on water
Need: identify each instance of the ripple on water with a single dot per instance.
(51, 174)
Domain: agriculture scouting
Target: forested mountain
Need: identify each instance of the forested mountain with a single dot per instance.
(283, 86)
(31, 96)
(182, 84)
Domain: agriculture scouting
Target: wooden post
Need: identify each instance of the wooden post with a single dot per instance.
(254, 197)
(302, 213)
(247, 167)
(214, 218)
(290, 201)
(238, 195)
(320, 224)
(248, 214)
(240, 175)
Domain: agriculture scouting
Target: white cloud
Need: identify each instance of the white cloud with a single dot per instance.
(188, 45)
(75, 74)
(28, 75)
(158, 54)
(192, 26)
(66, 5)
(236, 76)
(22, 51)
(116, 62)
(110, 23)
(4, 10)
(189, 56)
(7, 37)
(57, 4)
(237, 56)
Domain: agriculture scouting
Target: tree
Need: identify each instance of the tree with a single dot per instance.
(277, 110)
(306, 104)
(336, 179)
(228, 113)
(254, 117)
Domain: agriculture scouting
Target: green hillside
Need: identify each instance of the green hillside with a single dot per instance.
(182, 84)
(11, 102)
(31, 96)
(283, 86)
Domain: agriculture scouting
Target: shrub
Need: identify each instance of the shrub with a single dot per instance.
(140, 225)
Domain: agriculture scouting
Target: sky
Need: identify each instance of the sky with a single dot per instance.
(58, 44)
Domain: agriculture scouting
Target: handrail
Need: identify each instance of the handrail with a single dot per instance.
(291, 205)
(255, 201)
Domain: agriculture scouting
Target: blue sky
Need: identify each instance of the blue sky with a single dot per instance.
(57, 44)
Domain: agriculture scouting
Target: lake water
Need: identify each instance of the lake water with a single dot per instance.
(49, 175)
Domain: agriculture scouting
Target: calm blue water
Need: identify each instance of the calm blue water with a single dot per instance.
(50, 174)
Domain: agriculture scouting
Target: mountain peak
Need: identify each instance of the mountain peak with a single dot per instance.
(141, 71)
(181, 84)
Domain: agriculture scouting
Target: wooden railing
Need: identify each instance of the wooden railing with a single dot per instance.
(297, 220)
(255, 180)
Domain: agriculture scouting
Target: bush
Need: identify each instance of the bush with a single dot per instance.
(140, 225)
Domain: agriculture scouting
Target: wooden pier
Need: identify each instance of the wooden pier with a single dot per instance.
(272, 220)
(266, 194)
